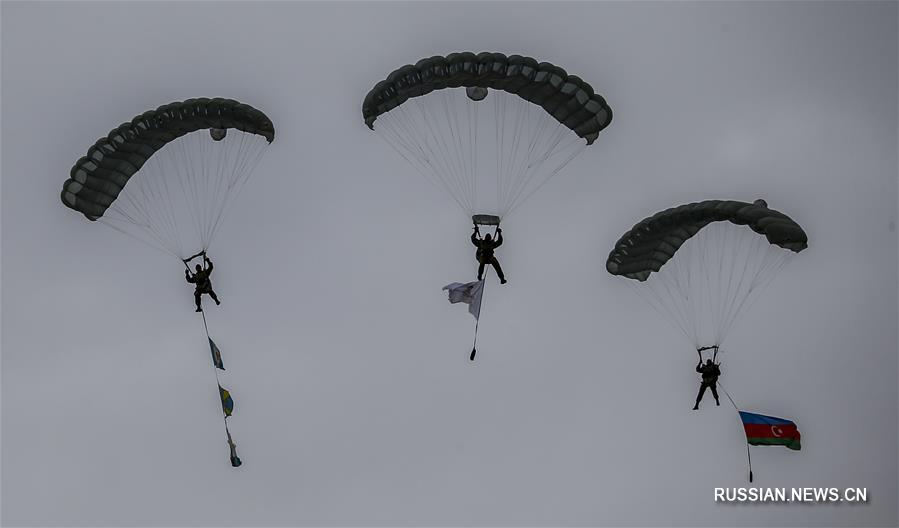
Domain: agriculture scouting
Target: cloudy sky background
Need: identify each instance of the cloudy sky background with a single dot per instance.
(355, 400)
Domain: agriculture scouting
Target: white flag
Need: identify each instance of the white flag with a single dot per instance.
(469, 293)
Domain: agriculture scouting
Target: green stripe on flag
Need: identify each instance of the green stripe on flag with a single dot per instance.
(788, 442)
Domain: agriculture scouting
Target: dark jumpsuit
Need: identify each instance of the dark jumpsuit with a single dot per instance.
(485, 256)
(710, 375)
(204, 285)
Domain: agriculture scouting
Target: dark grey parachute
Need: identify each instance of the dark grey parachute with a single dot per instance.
(567, 98)
(654, 241)
(97, 178)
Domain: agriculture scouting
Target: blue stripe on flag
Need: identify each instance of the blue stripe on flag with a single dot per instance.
(752, 418)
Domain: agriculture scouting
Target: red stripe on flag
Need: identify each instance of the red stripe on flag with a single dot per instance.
(770, 431)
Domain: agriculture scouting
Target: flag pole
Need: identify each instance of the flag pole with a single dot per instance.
(477, 322)
(474, 349)
(235, 462)
(748, 454)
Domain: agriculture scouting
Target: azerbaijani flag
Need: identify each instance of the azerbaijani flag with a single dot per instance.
(768, 430)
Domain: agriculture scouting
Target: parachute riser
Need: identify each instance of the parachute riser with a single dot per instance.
(486, 220)
(713, 348)
(188, 259)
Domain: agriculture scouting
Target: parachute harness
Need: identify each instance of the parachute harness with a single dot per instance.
(703, 349)
(188, 259)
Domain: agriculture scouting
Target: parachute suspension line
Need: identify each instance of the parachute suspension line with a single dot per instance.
(436, 150)
(190, 182)
(499, 113)
(515, 161)
(761, 262)
(240, 162)
(712, 278)
(462, 161)
(155, 245)
(413, 142)
(518, 201)
(730, 246)
(468, 153)
(737, 247)
(517, 166)
(240, 176)
(656, 301)
(473, 148)
(444, 139)
(531, 175)
(188, 191)
(670, 293)
(176, 163)
(131, 207)
(181, 166)
(716, 275)
(128, 209)
(142, 214)
(735, 255)
(541, 138)
(774, 260)
(439, 135)
(242, 166)
(660, 296)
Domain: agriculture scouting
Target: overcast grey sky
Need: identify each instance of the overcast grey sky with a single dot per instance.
(355, 400)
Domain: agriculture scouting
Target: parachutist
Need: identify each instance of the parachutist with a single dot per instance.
(485, 255)
(201, 278)
(710, 373)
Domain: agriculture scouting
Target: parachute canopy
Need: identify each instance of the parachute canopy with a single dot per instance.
(701, 264)
(654, 241)
(567, 98)
(97, 179)
(487, 128)
(123, 182)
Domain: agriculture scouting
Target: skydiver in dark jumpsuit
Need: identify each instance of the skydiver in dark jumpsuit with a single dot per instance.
(201, 279)
(710, 373)
(484, 253)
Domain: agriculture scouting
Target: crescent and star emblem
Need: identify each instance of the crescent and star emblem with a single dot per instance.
(776, 431)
